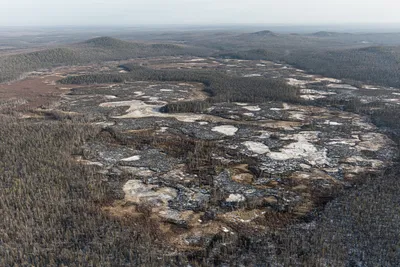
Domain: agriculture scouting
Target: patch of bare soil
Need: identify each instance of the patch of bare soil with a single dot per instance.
(33, 92)
(40, 89)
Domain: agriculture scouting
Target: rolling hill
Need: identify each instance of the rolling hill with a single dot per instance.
(93, 50)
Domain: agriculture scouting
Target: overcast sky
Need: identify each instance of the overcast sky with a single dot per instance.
(139, 12)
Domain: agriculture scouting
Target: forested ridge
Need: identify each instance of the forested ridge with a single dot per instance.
(94, 50)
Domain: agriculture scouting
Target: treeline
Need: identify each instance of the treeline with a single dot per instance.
(221, 87)
(94, 50)
(186, 107)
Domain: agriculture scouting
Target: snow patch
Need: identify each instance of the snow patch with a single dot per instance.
(316, 92)
(286, 106)
(138, 93)
(391, 100)
(197, 59)
(256, 147)
(133, 158)
(109, 96)
(228, 130)
(370, 87)
(297, 115)
(342, 86)
(154, 98)
(163, 129)
(105, 123)
(138, 192)
(296, 82)
(302, 149)
(252, 75)
(252, 108)
(312, 97)
(235, 198)
(325, 79)
(333, 123)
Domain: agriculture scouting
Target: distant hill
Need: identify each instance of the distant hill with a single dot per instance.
(106, 48)
(264, 33)
(93, 50)
(106, 42)
(275, 42)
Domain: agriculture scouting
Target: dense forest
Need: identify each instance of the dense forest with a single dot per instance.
(375, 65)
(50, 204)
(94, 50)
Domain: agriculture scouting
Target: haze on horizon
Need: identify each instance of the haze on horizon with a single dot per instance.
(195, 12)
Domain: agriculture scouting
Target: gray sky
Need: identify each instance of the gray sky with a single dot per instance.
(134, 12)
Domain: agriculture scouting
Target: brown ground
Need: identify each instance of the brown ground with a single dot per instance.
(37, 91)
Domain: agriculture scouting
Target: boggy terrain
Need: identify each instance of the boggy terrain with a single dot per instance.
(233, 168)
